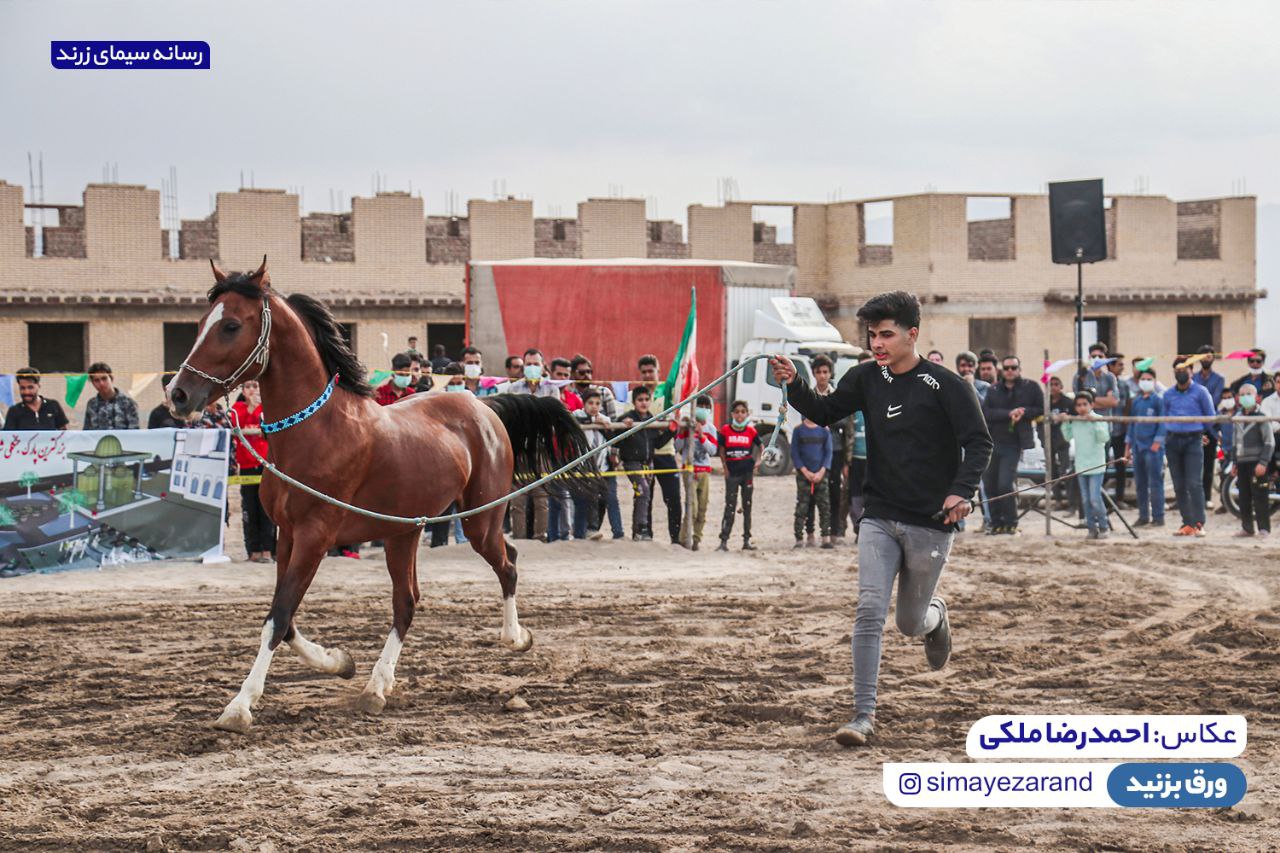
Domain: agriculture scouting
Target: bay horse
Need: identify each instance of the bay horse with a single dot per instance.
(413, 458)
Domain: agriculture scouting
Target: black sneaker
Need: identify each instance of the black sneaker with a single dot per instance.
(1142, 522)
(799, 544)
(747, 546)
(723, 546)
(937, 643)
(856, 731)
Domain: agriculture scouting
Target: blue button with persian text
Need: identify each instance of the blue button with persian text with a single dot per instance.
(1176, 785)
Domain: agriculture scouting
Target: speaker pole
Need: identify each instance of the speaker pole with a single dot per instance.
(1079, 310)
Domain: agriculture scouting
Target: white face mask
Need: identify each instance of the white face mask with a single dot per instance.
(471, 371)
(1228, 405)
(1255, 370)
(1247, 400)
(1147, 385)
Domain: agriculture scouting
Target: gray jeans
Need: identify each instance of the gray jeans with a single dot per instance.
(915, 555)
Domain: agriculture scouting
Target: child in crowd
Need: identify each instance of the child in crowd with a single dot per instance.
(811, 451)
(1145, 444)
(1255, 444)
(606, 460)
(704, 447)
(637, 455)
(740, 448)
(1091, 438)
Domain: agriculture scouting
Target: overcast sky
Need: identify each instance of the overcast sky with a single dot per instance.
(565, 100)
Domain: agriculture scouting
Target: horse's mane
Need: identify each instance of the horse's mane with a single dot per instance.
(334, 352)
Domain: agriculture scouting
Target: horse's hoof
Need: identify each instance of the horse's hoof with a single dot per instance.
(525, 642)
(235, 720)
(371, 704)
(346, 665)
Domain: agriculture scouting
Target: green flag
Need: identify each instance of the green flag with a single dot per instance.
(75, 387)
(1145, 364)
(683, 378)
(380, 376)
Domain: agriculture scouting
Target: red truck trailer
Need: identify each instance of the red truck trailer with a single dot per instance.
(615, 310)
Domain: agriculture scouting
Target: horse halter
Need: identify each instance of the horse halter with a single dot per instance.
(260, 354)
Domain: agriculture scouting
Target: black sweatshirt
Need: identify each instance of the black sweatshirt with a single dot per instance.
(926, 437)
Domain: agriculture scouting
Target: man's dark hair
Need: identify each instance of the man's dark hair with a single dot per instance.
(592, 393)
(1098, 345)
(821, 360)
(510, 361)
(401, 361)
(577, 361)
(437, 350)
(984, 353)
(1013, 358)
(988, 356)
(413, 338)
(1150, 371)
(1086, 393)
(28, 373)
(1259, 352)
(898, 305)
(100, 367)
(646, 360)
(560, 362)
(938, 353)
(533, 351)
(642, 391)
(1118, 356)
(703, 400)
(452, 369)
(743, 403)
(1205, 348)
(414, 358)
(469, 351)
(965, 355)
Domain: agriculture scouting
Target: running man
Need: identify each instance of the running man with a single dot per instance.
(927, 446)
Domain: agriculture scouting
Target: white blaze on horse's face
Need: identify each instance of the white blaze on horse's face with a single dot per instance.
(212, 320)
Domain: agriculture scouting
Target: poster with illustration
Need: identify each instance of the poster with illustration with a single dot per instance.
(72, 500)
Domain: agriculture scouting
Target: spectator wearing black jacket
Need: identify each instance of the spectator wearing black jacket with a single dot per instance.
(636, 452)
(1010, 407)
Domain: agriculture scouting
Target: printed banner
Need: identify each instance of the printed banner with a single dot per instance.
(72, 500)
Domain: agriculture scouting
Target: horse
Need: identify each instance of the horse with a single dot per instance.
(413, 458)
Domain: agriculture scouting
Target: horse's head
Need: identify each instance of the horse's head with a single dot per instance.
(231, 345)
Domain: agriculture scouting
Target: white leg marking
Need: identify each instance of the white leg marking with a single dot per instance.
(513, 635)
(510, 621)
(238, 716)
(316, 656)
(384, 671)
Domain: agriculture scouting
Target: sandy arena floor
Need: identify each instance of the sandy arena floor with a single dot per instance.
(677, 700)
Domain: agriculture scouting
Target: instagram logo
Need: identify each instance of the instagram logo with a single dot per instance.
(909, 783)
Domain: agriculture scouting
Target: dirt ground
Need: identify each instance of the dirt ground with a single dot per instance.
(677, 700)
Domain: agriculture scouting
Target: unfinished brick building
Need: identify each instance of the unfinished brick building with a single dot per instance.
(105, 288)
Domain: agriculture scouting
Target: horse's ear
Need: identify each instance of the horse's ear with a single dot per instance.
(218, 275)
(260, 276)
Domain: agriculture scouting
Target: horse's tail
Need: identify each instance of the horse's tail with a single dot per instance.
(544, 436)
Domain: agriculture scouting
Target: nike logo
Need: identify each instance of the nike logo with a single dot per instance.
(894, 411)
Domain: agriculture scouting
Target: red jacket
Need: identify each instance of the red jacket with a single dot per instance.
(387, 393)
(247, 419)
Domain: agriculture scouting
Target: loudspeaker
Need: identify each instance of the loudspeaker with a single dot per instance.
(1076, 222)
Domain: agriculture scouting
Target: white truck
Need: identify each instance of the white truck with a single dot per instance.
(795, 327)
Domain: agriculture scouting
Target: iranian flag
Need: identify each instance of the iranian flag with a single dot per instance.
(683, 378)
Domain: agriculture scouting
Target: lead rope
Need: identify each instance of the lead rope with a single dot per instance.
(770, 452)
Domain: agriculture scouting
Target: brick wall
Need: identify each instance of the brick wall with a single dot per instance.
(666, 239)
(501, 230)
(721, 233)
(613, 228)
(448, 239)
(556, 238)
(991, 240)
(1199, 230)
(198, 238)
(328, 237)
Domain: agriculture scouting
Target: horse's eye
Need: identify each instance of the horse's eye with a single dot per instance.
(231, 326)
